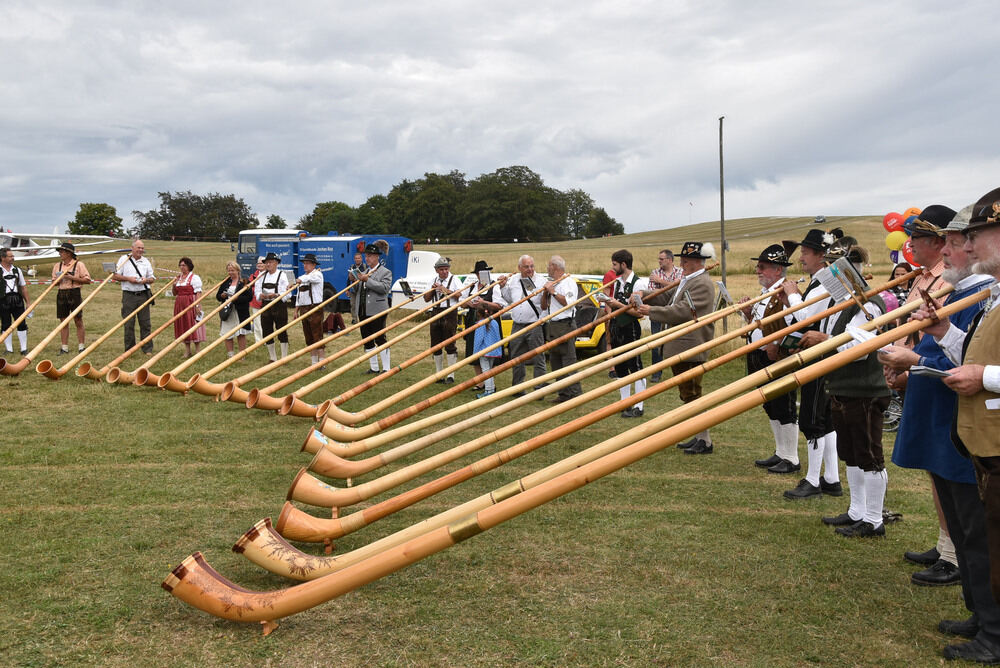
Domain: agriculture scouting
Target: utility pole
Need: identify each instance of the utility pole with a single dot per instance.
(722, 204)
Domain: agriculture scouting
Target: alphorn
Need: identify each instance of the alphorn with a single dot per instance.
(263, 398)
(199, 382)
(14, 369)
(331, 409)
(308, 489)
(195, 582)
(49, 370)
(31, 307)
(87, 369)
(232, 391)
(143, 376)
(296, 525)
(169, 380)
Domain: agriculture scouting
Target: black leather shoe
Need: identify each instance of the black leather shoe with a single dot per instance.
(767, 463)
(862, 530)
(830, 488)
(928, 558)
(448, 380)
(371, 372)
(784, 466)
(687, 444)
(967, 628)
(974, 650)
(657, 376)
(941, 574)
(628, 413)
(804, 490)
(699, 448)
(841, 520)
(517, 395)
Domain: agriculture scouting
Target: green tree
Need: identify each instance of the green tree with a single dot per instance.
(601, 224)
(578, 207)
(513, 203)
(372, 215)
(184, 215)
(275, 222)
(436, 206)
(94, 218)
(329, 217)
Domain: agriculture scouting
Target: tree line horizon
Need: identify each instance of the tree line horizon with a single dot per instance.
(508, 204)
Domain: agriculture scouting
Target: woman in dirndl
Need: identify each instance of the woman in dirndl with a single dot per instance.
(186, 288)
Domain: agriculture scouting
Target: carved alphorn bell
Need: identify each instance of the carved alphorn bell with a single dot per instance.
(48, 369)
(232, 391)
(199, 382)
(262, 398)
(170, 381)
(112, 372)
(199, 585)
(14, 369)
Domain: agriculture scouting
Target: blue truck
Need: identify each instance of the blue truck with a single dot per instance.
(334, 252)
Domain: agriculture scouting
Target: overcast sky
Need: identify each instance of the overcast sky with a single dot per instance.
(830, 108)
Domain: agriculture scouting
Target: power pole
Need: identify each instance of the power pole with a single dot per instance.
(722, 204)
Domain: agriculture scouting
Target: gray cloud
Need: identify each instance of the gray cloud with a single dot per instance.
(844, 108)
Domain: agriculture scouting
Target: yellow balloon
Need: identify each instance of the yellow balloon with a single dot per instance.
(895, 240)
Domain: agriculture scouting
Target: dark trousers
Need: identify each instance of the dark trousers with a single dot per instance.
(965, 516)
(312, 327)
(988, 476)
(781, 409)
(443, 329)
(657, 352)
(274, 318)
(130, 302)
(523, 344)
(372, 326)
(9, 315)
(814, 410)
(622, 334)
(564, 354)
(688, 389)
(858, 422)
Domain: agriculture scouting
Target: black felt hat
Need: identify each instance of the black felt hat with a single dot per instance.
(817, 240)
(697, 250)
(271, 256)
(68, 247)
(311, 257)
(930, 222)
(481, 266)
(986, 210)
(777, 254)
(372, 249)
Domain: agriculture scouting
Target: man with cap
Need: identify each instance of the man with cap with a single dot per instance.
(694, 297)
(445, 285)
(628, 288)
(523, 315)
(975, 428)
(311, 293)
(135, 272)
(858, 399)
(558, 293)
(373, 298)
(14, 300)
(68, 295)
(772, 270)
(928, 244)
(924, 441)
(266, 289)
(815, 420)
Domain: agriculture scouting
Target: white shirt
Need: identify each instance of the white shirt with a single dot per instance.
(126, 269)
(641, 284)
(193, 279)
(953, 340)
(279, 276)
(567, 288)
(757, 312)
(311, 290)
(809, 311)
(449, 283)
(523, 313)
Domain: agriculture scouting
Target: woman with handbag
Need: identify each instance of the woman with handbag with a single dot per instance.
(185, 290)
(236, 311)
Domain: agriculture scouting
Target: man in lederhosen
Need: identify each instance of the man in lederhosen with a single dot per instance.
(13, 300)
(311, 293)
(442, 329)
(266, 289)
(68, 296)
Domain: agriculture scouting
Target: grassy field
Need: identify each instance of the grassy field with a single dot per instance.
(676, 561)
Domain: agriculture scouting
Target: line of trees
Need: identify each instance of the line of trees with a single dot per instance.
(507, 204)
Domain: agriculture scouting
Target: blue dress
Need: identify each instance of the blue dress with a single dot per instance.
(924, 437)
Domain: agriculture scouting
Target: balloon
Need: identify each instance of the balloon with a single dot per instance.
(908, 253)
(893, 221)
(912, 211)
(895, 240)
(908, 221)
(894, 256)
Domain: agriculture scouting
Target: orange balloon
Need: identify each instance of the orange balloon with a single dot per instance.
(912, 211)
